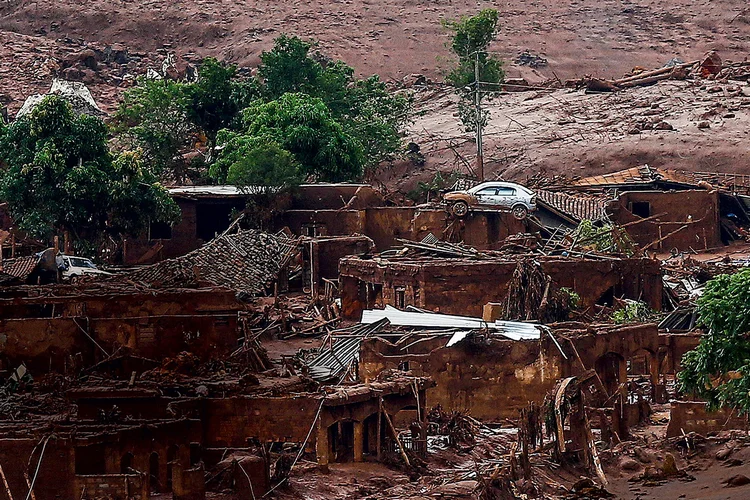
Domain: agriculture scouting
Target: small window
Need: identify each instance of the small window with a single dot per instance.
(641, 208)
(487, 192)
(160, 231)
(506, 191)
(400, 298)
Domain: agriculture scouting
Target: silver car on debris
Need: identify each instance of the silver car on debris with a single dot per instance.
(505, 195)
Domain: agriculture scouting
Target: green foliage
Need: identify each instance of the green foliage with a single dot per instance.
(360, 120)
(59, 176)
(425, 191)
(288, 67)
(602, 238)
(367, 110)
(718, 370)
(154, 116)
(304, 126)
(472, 36)
(473, 33)
(267, 166)
(634, 311)
(211, 106)
(571, 297)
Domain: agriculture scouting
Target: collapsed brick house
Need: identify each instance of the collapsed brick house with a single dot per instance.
(318, 211)
(460, 285)
(190, 303)
(494, 377)
(661, 209)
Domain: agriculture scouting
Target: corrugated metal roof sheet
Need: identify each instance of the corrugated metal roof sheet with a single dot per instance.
(331, 364)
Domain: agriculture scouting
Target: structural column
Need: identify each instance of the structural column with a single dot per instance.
(321, 446)
(359, 441)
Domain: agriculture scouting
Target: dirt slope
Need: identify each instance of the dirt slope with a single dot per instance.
(395, 38)
(574, 133)
(43, 39)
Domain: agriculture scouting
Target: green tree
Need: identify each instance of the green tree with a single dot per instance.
(58, 176)
(719, 368)
(254, 162)
(366, 108)
(302, 125)
(288, 67)
(154, 116)
(218, 96)
(472, 36)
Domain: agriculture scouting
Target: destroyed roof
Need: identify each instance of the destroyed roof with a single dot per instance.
(19, 268)
(245, 261)
(205, 192)
(335, 360)
(332, 364)
(575, 207)
(642, 176)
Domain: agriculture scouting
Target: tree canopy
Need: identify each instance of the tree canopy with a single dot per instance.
(471, 38)
(719, 368)
(303, 126)
(58, 175)
(361, 119)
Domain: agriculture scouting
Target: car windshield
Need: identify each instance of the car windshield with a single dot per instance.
(79, 262)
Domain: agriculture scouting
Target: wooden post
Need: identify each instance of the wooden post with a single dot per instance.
(5, 483)
(398, 441)
(12, 246)
(380, 431)
(661, 245)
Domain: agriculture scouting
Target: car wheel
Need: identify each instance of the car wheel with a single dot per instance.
(520, 212)
(460, 208)
(74, 279)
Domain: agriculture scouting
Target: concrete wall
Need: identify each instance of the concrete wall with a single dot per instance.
(111, 487)
(494, 380)
(692, 416)
(456, 286)
(47, 343)
(698, 210)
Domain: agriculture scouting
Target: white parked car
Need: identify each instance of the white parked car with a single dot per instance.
(514, 197)
(75, 267)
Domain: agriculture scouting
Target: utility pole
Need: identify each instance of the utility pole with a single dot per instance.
(478, 116)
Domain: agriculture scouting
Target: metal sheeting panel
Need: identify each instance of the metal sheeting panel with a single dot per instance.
(511, 329)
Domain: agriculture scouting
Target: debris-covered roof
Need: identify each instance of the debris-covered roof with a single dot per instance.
(245, 261)
(332, 363)
(576, 207)
(513, 330)
(20, 267)
(642, 176)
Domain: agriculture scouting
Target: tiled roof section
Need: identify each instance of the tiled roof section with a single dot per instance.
(20, 267)
(576, 207)
(245, 261)
(637, 176)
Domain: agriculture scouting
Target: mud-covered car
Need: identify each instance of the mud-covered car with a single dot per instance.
(488, 195)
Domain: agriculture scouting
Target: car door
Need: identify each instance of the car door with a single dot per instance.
(506, 197)
(486, 196)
